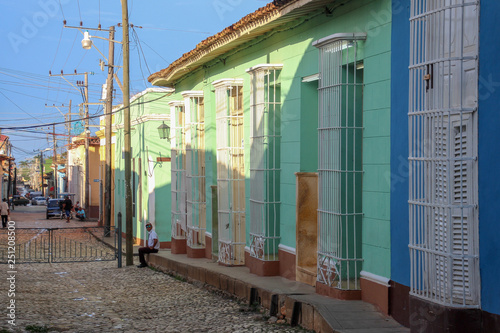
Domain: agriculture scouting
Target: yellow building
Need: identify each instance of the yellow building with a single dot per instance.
(76, 174)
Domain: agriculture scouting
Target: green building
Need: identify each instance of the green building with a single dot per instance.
(150, 165)
(280, 146)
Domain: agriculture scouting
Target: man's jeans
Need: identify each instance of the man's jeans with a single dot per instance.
(144, 250)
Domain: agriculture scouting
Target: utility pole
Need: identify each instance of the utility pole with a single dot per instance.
(15, 180)
(127, 140)
(69, 126)
(9, 184)
(41, 172)
(54, 160)
(87, 134)
(108, 129)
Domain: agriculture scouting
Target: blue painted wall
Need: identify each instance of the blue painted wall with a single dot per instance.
(400, 257)
(489, 152)
(489, 155)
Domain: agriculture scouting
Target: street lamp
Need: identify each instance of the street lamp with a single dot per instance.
(164, 131)
(86, 41)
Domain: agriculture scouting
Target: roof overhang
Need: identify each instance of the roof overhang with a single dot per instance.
(264, 20)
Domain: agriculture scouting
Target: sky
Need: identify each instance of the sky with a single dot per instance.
(34, 41)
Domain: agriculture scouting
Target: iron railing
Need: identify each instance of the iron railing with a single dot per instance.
(57, 245)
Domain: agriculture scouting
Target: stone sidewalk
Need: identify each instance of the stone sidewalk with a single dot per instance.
(99, 297)
(302, 305)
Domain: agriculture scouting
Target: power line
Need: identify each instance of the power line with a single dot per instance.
(134, 36)
(57, 48)
(17, 106)
(20, 93)
(79, 119)
(79, 11)
(71, 49)
(60, 6)
(143, 42)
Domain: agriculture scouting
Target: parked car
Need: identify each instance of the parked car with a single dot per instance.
(54, 208)
(41, 201)
(18, 200)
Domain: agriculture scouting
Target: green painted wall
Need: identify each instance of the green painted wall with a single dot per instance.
(146, 146)
(292, 47)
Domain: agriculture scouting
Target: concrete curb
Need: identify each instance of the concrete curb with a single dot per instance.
(298, 312)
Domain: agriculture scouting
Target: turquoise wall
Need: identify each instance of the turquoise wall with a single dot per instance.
(376, 140)
(292, 47)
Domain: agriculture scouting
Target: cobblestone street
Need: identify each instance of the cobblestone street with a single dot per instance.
(99, 297)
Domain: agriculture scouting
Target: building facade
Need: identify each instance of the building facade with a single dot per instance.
(443, 159)
(281, 146)
(150, 160)
(76, 173)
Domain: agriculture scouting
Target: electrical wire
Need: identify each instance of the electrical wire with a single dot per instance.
(62, 12)
(57, 48)
(140, 62)
(81, 119)
(71, 49)
(143, 42)
(99, 13)
(17, 106)
(20, 93)
(79, 11)
(140, 47)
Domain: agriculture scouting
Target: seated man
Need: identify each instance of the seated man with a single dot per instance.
(80, 214)
(153, 245)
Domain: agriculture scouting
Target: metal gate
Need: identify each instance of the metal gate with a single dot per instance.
(57, 245)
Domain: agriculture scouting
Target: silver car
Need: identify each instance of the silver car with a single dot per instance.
(41, 201)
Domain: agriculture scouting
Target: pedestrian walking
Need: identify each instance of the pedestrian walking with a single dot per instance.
(68, 206)
(5, 212)
(153, 245)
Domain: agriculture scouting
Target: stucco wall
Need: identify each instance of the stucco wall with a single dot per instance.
(293, 48)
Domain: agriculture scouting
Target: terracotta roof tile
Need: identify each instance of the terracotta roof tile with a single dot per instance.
(260, 13)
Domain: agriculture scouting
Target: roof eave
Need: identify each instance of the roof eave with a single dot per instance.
(255, 27)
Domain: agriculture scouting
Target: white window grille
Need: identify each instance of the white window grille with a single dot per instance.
(178, 170)
(195, 168)
(443, 214)
(340, 165)
(265, 137)
(230, 170)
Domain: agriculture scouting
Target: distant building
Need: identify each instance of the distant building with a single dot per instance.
(6, 166)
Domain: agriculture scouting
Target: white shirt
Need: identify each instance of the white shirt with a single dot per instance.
(151, 240)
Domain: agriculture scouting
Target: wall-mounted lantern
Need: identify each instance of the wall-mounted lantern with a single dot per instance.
(164, 131)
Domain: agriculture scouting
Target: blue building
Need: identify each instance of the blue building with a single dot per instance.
(444, 157)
